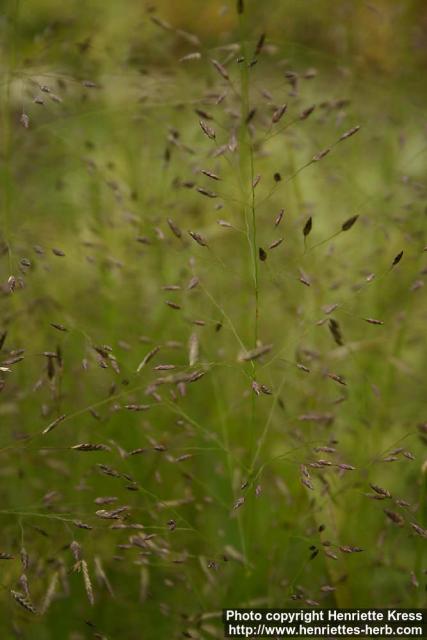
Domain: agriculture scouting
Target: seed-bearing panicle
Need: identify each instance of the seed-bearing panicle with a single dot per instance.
(102, 576)
(81, 525)
(87, 446)
(397, 259)
(276, 243)
(108, 471)
(350, 549)
(380, 491)
(260, 44)
(306, 478)
(335, 330)
(58, 252)
(320, 155)
(210, 174)
(396, 518)
(149, 356)
(207, 130)
(173, 343)
(115, 514)
(196, 55)
(25, 559)
(307, 227)
(349, 133)
(256, 353)
(24, 601)
(307, 112)
(59, 327)
(198, 238)
(87, 582)
(279, 113)
(25, 120)
(349, 223)
(173, 305)
(420, 531)
(137, 407)
(76, 550)
(221, 69)
(239, 503)
(262, 254)
(50, 593)
(193, 349)
(106, 500)
(207, 193)
(279, 217)
(174, 228)
(54, 424)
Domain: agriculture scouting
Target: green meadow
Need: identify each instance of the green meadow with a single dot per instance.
(212, 312)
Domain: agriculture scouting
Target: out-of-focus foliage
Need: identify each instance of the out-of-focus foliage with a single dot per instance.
(256, 386)
(378, 36)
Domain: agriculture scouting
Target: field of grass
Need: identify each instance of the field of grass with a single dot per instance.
(212, 325)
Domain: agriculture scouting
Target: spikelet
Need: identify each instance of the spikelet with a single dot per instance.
(51, 590)
(24, 601)
(87, 582)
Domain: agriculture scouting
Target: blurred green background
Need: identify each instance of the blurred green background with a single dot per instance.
(100, 146)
